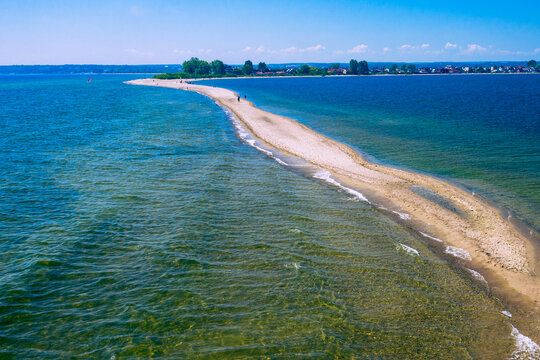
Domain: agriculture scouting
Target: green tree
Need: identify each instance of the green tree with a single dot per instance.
(393, 68)
(334, 66)
(531, 63)
(353, 64)
(304, 69)
(411, 68)
(218, 67)
(247, 68)
(190, 66)
(363, 68)
(403, 68)
(262, 67)
(196, 67)
(537, 68)
(204, 68)
(318, 71)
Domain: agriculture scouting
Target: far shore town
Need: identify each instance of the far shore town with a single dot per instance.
(203, 69)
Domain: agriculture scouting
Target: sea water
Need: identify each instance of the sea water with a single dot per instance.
(137, 222)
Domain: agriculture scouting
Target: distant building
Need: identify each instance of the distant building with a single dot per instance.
(339, 71)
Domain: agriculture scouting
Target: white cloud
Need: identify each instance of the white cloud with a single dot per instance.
(318, 47)
(293, 49)
(182, 52)
(385, 50)
(410, 48)
(261, 49)
(290, 49)
(422, 49)
(140, 53)
(449, 45)
(537, 50)
(362, 48)
(474, 48)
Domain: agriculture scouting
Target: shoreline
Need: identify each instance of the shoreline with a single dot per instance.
(492, 246)
(339, 76)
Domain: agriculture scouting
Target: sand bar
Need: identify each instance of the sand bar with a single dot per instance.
(502, 254)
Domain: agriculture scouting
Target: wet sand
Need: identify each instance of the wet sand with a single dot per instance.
(446, 215)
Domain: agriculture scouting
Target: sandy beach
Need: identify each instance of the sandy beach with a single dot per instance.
(491, 245)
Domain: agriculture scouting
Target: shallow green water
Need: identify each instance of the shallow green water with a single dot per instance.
(135, 224)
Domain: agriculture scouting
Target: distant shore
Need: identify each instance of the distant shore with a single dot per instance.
(477, 237)
(340, 76)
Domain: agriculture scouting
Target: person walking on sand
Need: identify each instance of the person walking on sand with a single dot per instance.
(238, 98)
(245, 97)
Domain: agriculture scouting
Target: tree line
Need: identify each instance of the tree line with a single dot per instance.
(359, 68)
(196, 68)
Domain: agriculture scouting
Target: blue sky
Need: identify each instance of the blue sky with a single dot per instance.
(158, 32)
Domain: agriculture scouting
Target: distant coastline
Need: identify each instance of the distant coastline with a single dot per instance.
(196, 68)
(343, 76)
(193, 77)
(154, 69)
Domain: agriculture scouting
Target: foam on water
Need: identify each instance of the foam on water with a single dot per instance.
(403, 216)
(294, 265)
(325, 176)
(431, 237)
(476, 275)
(321, 174)
(248, 139)
(526, 347)
(253, 143)
(458, 252)
(410, 250)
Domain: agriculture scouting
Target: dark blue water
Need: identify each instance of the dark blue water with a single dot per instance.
(480, 131)
(135, 224)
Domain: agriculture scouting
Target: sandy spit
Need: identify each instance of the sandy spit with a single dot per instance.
(506, 257)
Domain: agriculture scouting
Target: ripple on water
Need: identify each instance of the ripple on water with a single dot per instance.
(147, 229)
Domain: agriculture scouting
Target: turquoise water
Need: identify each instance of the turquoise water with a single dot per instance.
(134, 223)
(480, 131)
